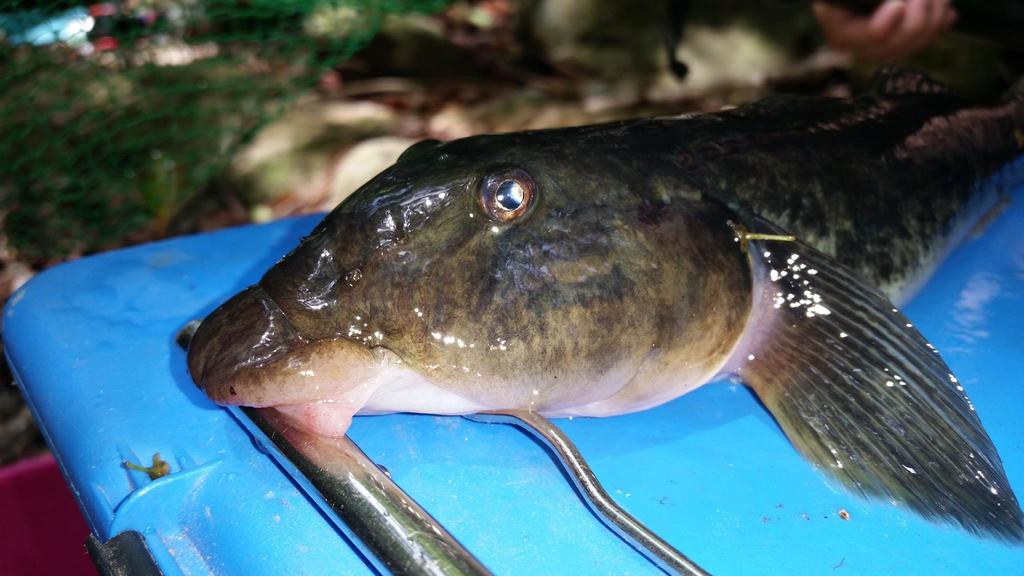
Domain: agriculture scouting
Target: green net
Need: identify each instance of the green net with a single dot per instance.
(112, 115)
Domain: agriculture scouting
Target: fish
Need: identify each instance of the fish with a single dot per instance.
(601, 270)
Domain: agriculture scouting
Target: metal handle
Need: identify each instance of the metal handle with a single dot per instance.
(393, 532)
(593, 494)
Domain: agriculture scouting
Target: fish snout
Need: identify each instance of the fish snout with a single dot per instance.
(232, 343)
(247, 352)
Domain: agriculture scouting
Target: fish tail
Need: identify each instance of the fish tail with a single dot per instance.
(863, 395)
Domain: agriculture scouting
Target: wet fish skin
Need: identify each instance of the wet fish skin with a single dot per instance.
(536, 300)
(883, 182)
(625, 284)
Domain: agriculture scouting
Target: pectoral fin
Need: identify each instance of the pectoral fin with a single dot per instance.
(862, 394)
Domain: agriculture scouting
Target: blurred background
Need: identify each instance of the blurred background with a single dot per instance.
(128, 122)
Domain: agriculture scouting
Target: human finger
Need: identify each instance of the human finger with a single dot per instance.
(842, 28)
(914, 31)
(885, 20)
(943, 17)
(885, 41)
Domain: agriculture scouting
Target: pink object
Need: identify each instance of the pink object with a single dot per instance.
(44, 532)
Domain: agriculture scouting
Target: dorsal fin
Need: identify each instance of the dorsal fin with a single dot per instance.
(895, 81)
(862, 394)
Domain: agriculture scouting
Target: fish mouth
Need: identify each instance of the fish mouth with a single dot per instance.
(247, 352)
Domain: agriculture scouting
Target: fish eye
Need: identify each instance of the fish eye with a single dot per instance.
(507, 195)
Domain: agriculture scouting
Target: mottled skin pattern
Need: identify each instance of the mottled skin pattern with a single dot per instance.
(624, 284)
(606, 273)
(626, 249)
(877, 182)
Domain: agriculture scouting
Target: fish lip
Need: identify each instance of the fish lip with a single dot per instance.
(247, 352)
(242, 335)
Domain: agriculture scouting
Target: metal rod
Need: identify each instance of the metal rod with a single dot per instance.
(392, 531)
(389, 529)
(593, 494)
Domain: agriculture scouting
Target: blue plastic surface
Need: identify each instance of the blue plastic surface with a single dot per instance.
(92, 343)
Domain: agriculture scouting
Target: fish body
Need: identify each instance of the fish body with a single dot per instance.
(606, 269)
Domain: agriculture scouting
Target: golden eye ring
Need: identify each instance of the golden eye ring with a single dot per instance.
(508, 194)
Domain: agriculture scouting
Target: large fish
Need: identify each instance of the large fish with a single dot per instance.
(607, 269)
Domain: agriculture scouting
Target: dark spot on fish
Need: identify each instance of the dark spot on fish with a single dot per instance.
(651, 212)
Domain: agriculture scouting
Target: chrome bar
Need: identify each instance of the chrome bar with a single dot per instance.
(593, 494)
(392, 531)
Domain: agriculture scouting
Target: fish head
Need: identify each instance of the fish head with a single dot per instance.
(493, 272)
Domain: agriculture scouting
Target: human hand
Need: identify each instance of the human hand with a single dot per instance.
(895, 30)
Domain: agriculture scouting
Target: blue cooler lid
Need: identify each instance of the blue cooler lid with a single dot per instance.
(92, 345)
